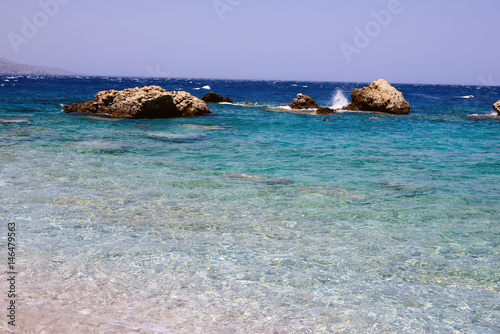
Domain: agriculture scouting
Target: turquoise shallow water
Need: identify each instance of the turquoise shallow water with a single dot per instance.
(252, 220)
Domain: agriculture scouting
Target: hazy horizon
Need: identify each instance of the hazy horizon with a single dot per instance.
(402, 41)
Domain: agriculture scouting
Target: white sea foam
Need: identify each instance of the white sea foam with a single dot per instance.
(467, 97)
(206, 87)
(284, 107)
(339, 100)
(480, 116)
(239, 104)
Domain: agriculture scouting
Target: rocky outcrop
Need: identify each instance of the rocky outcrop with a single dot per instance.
(13, 68)
(146, 102)
(496, 106)
(215, 98)
(304, 102)
(324, 111)
(379, 96)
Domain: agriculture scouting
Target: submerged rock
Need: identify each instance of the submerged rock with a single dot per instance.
(304, 102)
(215, 98)
(208, 127)
(146, 102)
(261, 179)
(379, 96)
(496, 106)
(324, 111)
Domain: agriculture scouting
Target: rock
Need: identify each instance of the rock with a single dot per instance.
(379, 96)
(304, 102)
(208, 127)
(496, 106)
(188, 105)
(215, 98)
(324, 111)
(146, 102)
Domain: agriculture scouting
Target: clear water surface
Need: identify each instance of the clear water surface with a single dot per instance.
(253, 219)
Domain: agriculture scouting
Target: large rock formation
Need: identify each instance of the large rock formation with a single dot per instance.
(146, 102)
(304, 102)
(496, 106)
(379, 96)
(215, 98)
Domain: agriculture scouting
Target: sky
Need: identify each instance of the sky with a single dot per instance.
(402, 41)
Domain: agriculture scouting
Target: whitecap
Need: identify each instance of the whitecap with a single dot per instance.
(196, 88)
(283, 107)
(482, 116)
(246, 104)
(206, 87)
(339, 101)
(294, 85)
(305, 86)
(15, 121)
(466, 97)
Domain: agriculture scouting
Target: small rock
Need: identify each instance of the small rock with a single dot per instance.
(496, 106)
(215, 98)
(324, 111)
(304, 102)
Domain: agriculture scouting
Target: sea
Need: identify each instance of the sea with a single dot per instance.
(254, 219)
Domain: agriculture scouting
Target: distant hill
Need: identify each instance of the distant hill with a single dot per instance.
(10, 67)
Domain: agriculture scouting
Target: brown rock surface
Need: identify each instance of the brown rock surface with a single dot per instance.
(496, 106)
(379, 96)
(146, 102)
(304, 102)
(324, 111)
(215, 98)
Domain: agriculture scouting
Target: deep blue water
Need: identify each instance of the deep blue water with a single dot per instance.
(253, 219)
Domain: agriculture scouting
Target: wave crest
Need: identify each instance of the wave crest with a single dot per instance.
(339, 100)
